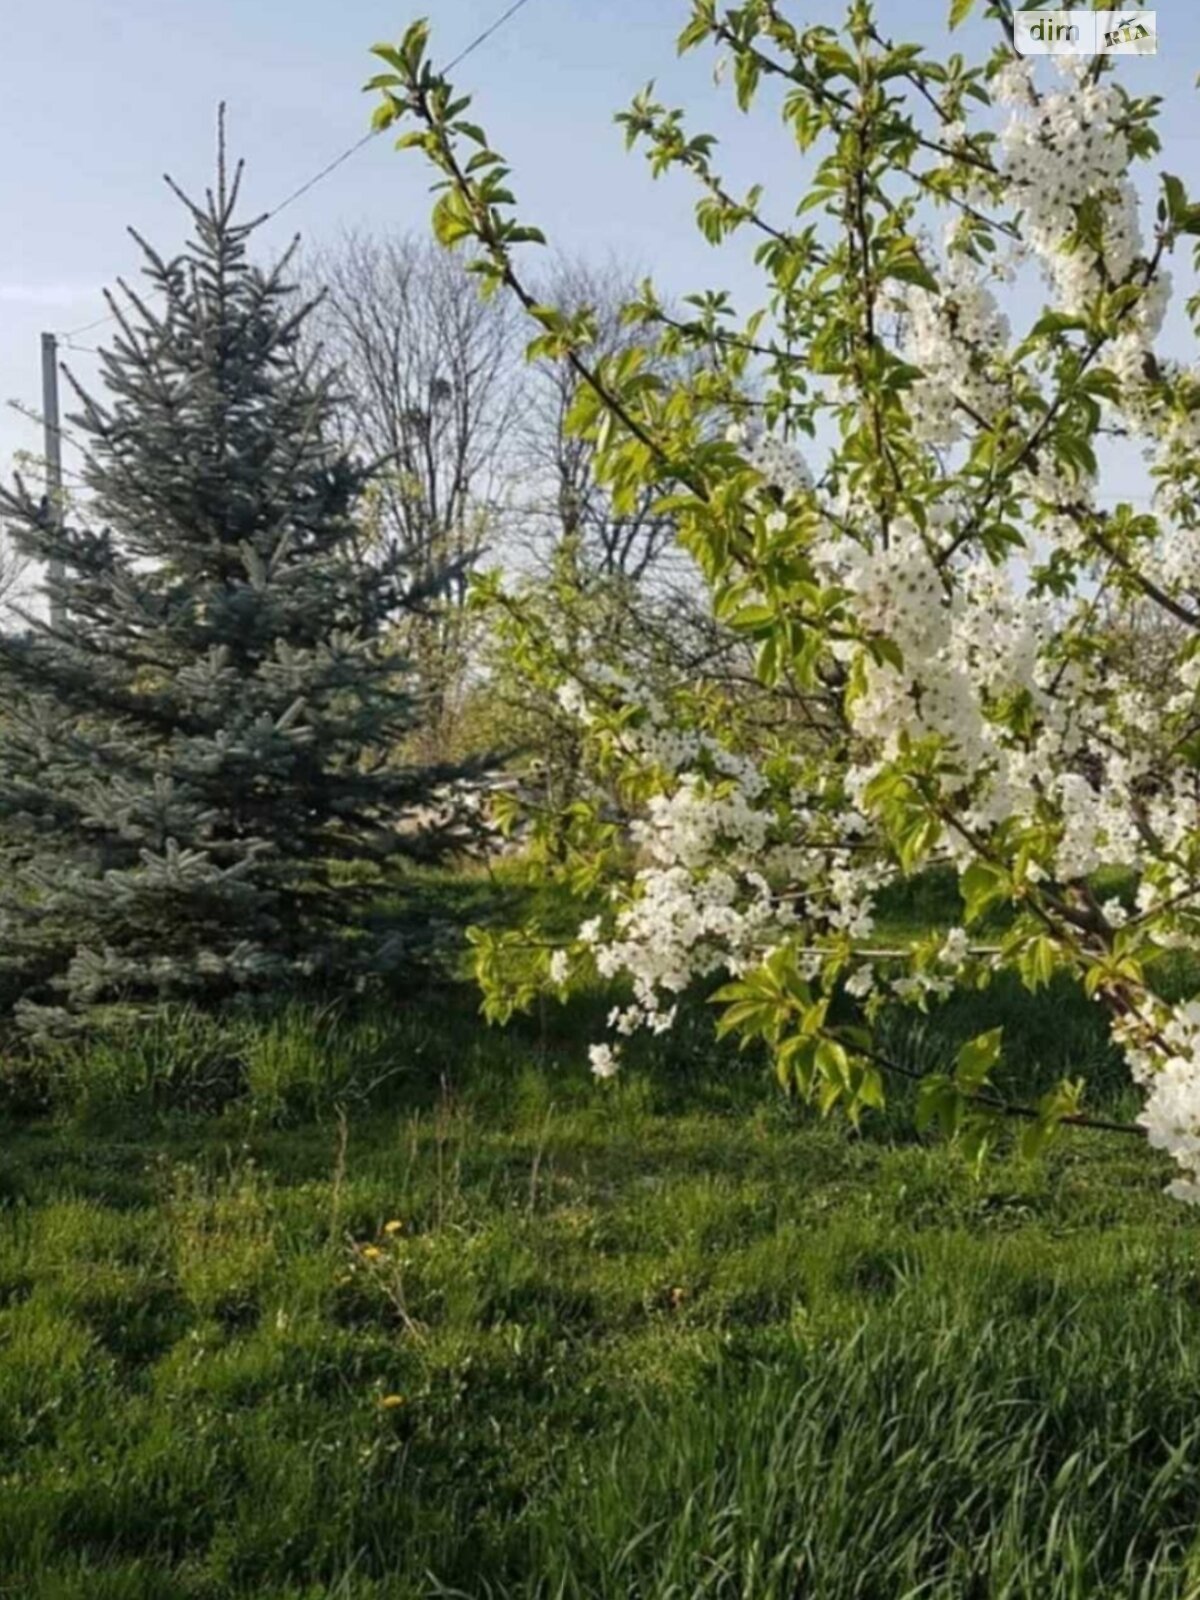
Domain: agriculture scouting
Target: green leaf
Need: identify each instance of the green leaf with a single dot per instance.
(916, 837)
(472, 130)
(981, 886)
(960, 10)
(976, 1059)
(832, 1063)
(909, 268)
(1175, 196)
(1056, 322)
(794, 1063)
(450, 223)
(697, 30)
(1033, 1139)
(1037, 961)
(750, 618)
(938, 1102)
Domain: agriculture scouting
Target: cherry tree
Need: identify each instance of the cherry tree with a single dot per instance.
(889, 474)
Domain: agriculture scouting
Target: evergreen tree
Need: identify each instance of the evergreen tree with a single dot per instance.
(210, 724)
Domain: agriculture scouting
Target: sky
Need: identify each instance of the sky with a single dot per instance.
(98, 98)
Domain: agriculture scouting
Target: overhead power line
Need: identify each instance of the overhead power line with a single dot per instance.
(352, 150)
(339, 160)
(486, 34)
(87, 326)
(317, 177)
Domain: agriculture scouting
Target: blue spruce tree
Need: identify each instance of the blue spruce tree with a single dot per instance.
(210, 727)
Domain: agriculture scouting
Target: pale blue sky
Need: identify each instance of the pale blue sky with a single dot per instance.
(99, 97)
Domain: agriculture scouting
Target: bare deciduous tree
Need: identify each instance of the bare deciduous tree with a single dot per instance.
(429, 391)
(428, 374)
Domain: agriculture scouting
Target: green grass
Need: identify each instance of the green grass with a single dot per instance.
(662, 1338)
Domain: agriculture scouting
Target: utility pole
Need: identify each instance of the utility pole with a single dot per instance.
(54, 484)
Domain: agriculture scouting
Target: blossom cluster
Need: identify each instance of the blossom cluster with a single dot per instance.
(1164, 1057)
(956, 335)
(1064, 152)
(781, 465)
(732, 866)
(1069, 149)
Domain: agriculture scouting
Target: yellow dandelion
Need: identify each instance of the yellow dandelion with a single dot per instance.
(391, 1401)
(393, 1227)
(372, 1252)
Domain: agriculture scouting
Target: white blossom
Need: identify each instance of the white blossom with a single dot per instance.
(605, 1060)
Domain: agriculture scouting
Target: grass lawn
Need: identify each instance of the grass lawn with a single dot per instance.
(664, 1337)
